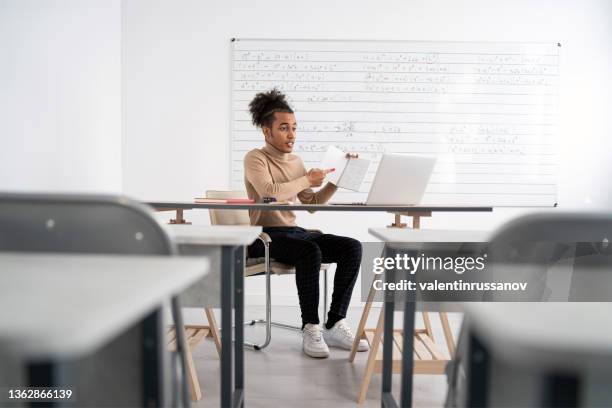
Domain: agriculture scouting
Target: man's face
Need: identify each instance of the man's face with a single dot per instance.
(282, 133)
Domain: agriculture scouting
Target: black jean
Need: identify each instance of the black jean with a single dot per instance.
(306, 251)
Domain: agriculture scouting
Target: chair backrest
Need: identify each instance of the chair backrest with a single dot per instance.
(80, 223)
(228, 217)
(92, 224)
(557, 227)
(541, 240)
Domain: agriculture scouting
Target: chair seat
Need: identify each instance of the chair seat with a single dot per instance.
(256, 266)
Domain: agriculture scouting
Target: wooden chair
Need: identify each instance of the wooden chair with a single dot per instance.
(257, 266)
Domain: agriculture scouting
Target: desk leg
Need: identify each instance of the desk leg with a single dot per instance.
(179, 218)
(227, 302)
(153, 347)
(181, 347)
(478, 373)
(239, 326)
(45, 374)
(387, 400)
(407, 357)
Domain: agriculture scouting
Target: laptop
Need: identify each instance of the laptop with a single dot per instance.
(399, 180)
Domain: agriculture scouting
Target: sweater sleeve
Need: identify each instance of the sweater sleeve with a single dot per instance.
(257, 173)
(308, 196)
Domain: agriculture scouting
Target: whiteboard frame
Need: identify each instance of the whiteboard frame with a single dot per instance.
(235, 40)
(231, 111)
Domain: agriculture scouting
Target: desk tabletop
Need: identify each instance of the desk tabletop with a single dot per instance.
(213, 234)
(558, 333)
(184, 205)
(67, 305)
(410, 235)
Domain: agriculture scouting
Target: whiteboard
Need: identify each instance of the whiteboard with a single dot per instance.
(487, 110)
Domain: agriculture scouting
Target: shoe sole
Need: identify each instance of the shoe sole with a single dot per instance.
(342, 347)
(316, 355)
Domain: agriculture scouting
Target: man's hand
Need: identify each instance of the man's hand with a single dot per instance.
(316, 176)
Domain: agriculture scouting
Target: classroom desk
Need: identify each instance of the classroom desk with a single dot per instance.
(571, 339)
(232, 240)
(185, 205)
(415, 238)
(410, 240)
(55, 308)
(416, 212)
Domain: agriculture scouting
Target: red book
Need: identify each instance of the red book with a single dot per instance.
(240, 201)
(200, 200)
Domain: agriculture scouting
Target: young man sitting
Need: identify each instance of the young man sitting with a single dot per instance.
(273, 171)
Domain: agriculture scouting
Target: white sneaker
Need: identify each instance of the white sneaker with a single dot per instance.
(342, 337)
(313, 343)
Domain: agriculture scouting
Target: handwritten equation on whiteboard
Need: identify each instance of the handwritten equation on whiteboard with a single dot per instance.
(487, 111)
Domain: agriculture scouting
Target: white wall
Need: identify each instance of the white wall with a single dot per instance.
(176, 89)
(60, 95)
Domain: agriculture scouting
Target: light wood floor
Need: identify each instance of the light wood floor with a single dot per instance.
(282, 376)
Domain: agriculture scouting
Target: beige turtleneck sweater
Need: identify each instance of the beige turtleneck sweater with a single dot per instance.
(268, 172)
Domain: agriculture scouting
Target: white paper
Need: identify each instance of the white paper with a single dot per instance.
(353, 174)
(334, 158)
(349, 173)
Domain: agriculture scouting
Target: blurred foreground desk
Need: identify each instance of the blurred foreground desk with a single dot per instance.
(399, 348)
(89, 323)
(538, 354)
(232, 241)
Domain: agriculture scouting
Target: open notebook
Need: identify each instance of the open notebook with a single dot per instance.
(349, 173)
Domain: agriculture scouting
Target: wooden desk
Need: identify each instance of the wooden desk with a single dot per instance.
(400, 240)
(56, 308)
(416, 212)
(232, 240)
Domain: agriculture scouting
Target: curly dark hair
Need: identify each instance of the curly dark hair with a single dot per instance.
(265, 104)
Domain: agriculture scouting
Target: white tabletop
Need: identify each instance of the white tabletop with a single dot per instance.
(213, 234)
(58, 305)
(419, 239)
(410, 235)
(561, 334)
